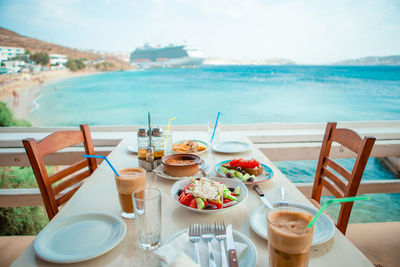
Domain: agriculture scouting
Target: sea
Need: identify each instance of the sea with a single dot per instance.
(244, 95)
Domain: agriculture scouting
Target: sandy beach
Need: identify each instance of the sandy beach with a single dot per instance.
(26, 88)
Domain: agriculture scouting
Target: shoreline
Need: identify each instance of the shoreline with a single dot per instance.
(28, 88)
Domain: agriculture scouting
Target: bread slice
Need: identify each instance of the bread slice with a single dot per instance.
(252, 171)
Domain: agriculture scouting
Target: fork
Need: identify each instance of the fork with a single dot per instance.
(194, 237)
(207, 235)
(220, 235)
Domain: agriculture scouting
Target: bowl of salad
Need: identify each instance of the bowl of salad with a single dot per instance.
(208, 195)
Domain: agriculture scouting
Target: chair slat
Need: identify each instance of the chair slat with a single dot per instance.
(347, 138)
(332, 188)
(59, 140)
(69, 170)
(66, 196)
(71, 181)
(335, 179)
(338, 168)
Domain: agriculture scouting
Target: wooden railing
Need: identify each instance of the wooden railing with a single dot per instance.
(279, 141)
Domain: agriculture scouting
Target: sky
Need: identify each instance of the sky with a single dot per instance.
(306, 31)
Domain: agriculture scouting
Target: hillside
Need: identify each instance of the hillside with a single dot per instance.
(13, 39)
(371, 61)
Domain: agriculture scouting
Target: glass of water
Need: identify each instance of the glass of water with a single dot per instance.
(147, 203)
(217, 133)
(169, 138)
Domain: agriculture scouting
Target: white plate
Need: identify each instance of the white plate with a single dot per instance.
(231, 147)
(79, 238)
(250, 257)
(323, 231)
(266, 174)
(133, 149)
(194, 153)
(228, 182)
(159, 171)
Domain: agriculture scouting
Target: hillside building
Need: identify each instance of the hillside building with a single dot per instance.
(7, 53)
(57, 59)
(14, 66)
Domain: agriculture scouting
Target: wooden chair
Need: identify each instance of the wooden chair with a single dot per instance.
(56, 195)
(345, 185)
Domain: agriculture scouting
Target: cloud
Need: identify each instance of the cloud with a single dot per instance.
(64, 11)
(308, 31)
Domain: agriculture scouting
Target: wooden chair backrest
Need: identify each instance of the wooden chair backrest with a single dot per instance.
(55, 195)
(345, 185)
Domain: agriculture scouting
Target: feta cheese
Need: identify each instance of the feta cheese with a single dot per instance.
(208, 189)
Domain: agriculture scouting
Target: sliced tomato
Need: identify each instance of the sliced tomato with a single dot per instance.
(187, 199)
(251, 164)
(218, 205)
(193, 203)
(181, 196)
(226, 200)
(233, 162)
(236, 162)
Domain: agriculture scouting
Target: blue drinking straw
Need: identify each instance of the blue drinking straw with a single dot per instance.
(102, 157)
(215, 127)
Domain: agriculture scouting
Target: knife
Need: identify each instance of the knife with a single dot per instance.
(262, 197)
(230, 245)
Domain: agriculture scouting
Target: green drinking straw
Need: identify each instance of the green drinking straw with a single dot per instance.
(333, 201)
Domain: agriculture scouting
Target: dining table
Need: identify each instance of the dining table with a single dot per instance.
(99, 195)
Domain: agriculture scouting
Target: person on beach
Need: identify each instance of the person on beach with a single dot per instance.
(15, 98)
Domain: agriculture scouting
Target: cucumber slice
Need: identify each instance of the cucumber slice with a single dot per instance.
(238, 175)
(237, 191)
(199, 203)
(223, 170)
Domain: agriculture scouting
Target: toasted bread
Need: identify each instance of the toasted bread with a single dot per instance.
(252, 171)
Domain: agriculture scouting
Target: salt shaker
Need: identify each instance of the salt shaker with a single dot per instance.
(158, 145)
(143, 143)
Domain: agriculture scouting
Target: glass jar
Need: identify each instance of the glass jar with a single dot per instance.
(143, 142)
(158, 144)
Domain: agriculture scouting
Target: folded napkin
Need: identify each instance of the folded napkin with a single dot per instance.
(180, 252)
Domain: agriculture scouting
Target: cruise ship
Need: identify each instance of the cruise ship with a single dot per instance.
(167, 56)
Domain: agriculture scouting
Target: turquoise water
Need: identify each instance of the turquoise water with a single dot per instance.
(245, 94)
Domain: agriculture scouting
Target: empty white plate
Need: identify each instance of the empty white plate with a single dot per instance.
(79, 238)
(231, 147)
(133, 149)
(323, 231)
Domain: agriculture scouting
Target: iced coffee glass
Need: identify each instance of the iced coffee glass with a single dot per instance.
(289, 241)
(128, 181)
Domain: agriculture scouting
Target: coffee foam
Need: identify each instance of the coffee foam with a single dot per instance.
(288, 231)
(130, 180)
